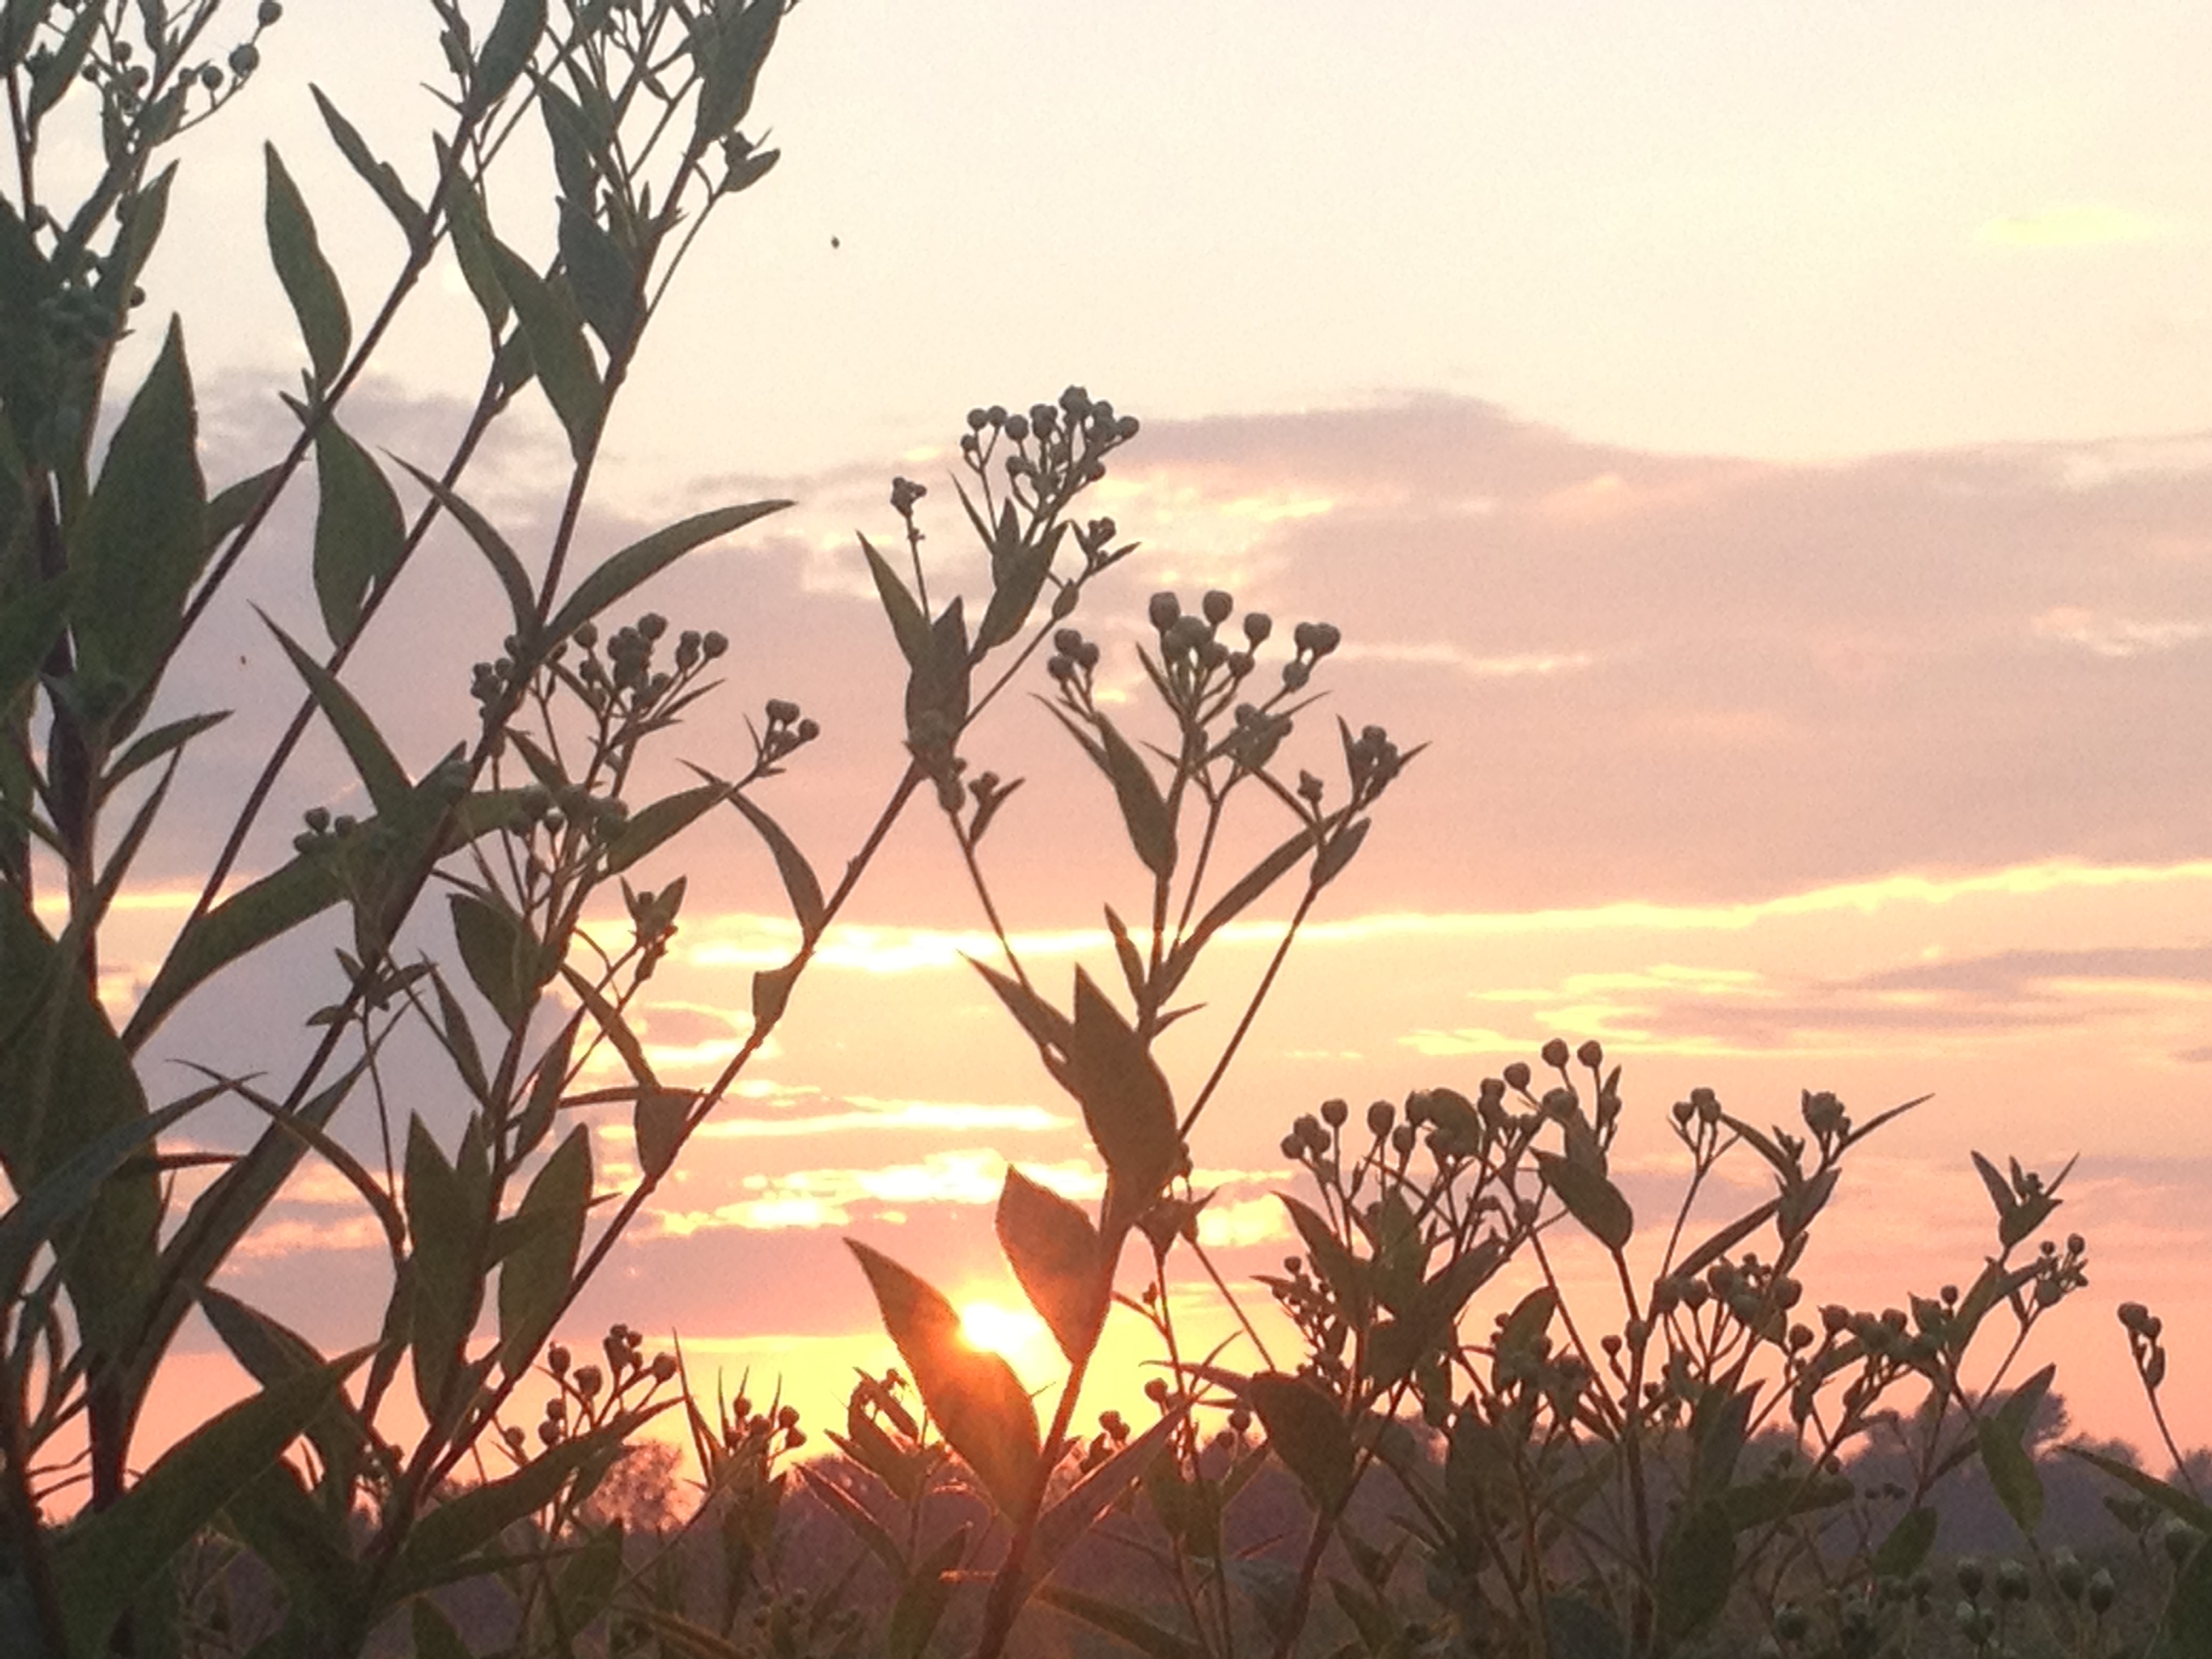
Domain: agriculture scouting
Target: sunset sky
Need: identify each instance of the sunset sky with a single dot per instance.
(1767, 452)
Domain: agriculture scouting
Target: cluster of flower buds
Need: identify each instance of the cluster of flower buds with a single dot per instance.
(2144, 1329)
(1190, 641)
(786, 730)
(1373, 760)
(1073, 662)
(582, 1387)
(1257, 733)
(626, 681)
(1065, 444)
(1310, 641)
(324, 832)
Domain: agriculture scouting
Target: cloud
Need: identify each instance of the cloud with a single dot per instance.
(2093, 995)
(2074, 224)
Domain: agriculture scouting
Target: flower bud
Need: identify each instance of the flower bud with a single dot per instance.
(1163, 610)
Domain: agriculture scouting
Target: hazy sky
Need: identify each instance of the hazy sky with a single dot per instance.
(1767, 451)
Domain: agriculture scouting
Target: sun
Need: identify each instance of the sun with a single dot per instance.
(1013, 1333)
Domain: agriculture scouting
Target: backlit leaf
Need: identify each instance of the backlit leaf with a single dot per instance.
(1308, 1434)
(1125, 1102)
(908, 626)
(978, 1402)
(1058, 1258)
(1696, 1569)
(506, 49)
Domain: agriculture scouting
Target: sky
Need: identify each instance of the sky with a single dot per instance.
(1765, 454)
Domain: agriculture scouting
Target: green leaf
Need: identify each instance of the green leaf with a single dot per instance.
(1058, 1258)
(505, 963)
(381, 775)
(729, 52)
(533, 1280)
(472, 251)
(658, 1123)
(1071, 1514)
(937, 690)
(51, 78)
(360, 532)
(2169, 1497)
(1232, 904)
(62, 1193)
(800, 884)
(651, 825)
(603, 276)
(908, 626)
(141, 541)
(154, 746)
(261, 911)
(643, 560)
(1127, 1105)
(513, 579)
(66, 1085)
(979, 1404)
(1344, 1273)
(922, 1598)
(309, 283)
(29, 624)
(514, 35)
(445, 1229)
(1016, 583)
(2188, 1623)
(555, 332)
(107, 1559)
(272, 1353)
(772, 989)
(1696, 1569)
(1338, 851)
(1907, 1546)
(1047, 1026)
(2012, 1473)
(1120, 1621)
(1590, 1199)
(439, 1549)
(414, 223)
(1144, 809)
(1308, 1434)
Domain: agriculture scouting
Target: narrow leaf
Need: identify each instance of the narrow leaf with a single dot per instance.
(513, 579)
(360, 532)
(2012, 1473)
(105, 1562)
(380, 772)
(800, 884)
(141, 540)
(505, 961)
(533, 1280)
(643, 560)
(514, 35)
(1696, 1569)
(1120, 1621)
(309, 283)
(908, 626)
(555, 332)
(1144, 809)
(659, 821)
(414, 223)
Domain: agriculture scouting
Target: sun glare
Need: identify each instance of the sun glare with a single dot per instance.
(1011, 1333)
